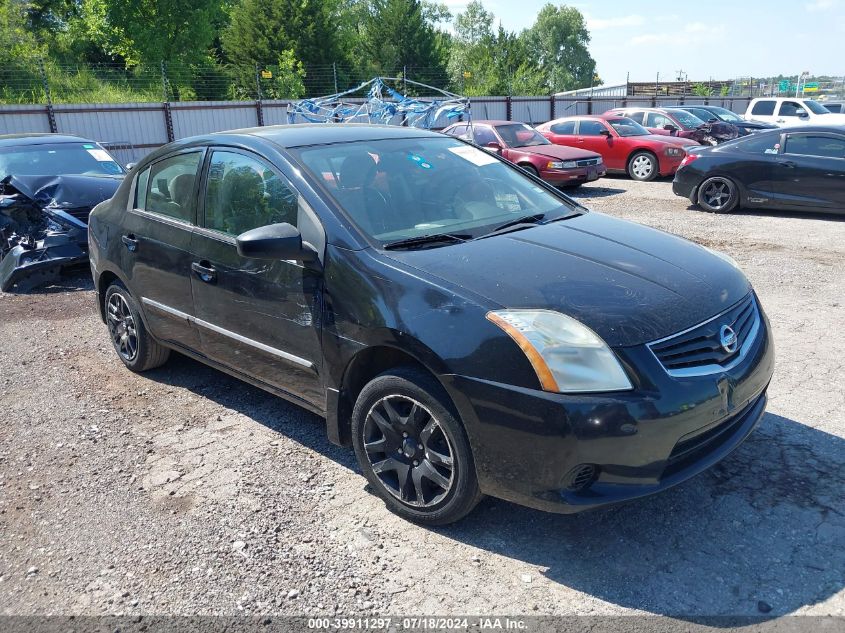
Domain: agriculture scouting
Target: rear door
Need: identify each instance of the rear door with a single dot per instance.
(810, 171)
(156, 237)
(563, 133)
(260, 317)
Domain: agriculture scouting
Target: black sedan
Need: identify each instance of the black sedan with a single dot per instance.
(716, 113)
(466, 327)
(798, 169)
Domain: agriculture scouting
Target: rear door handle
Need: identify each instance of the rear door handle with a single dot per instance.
(204, 271)
(130, 241)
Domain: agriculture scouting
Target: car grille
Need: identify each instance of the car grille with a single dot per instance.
(588, 161)
(699, 350)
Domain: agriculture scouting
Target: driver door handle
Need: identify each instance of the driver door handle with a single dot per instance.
(204, 271)
(130, 241)
(788, 164)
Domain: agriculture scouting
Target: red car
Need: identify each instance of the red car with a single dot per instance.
(677, 122)
(625, 146)
(521, 144)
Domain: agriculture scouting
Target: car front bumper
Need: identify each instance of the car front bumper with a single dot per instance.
(563, 177)
(528, 443)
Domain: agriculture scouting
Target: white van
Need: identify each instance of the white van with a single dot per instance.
(786, 112)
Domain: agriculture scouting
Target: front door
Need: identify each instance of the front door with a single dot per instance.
(810, 171)
(260, 317)
(156, 239)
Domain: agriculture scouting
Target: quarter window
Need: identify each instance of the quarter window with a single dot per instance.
(244, 193)
(170, 190)
(764, 108)
(815, 145)
(567, 127)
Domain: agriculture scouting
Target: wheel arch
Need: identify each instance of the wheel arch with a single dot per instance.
(361, 368)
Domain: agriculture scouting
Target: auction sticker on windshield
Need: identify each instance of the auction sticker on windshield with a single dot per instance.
(473, 155)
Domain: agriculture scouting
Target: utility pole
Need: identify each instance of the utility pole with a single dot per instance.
(334, 72)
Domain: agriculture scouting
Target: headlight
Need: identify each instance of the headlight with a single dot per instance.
(674, 151)
(723, 257)
(599, 161)
(566, 164)
(567, 356)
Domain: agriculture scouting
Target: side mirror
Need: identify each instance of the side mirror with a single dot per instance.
(802, 114)
(493, 146)
(670, 128)
(605, 133)
(275, 241)
(129, 166)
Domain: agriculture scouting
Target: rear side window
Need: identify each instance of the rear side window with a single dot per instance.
(764, 108)
(760, 144)
(567, 127)
(591, 128)
(636, 115)
(244, 193)
(815, 145)
(170, 189)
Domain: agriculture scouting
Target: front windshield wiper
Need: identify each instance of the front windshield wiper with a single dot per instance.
(422, 240)
(514, 225)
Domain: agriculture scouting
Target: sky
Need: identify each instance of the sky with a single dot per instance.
(708, 38)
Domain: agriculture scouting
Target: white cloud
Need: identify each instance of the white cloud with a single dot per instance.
(821, 5)
(693, 33)
(598, 24)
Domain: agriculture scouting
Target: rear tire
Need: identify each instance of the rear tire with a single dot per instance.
(412, 449)
(718, 195)
(643, 166)
(130, 338)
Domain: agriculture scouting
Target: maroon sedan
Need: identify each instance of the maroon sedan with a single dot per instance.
(521, 144)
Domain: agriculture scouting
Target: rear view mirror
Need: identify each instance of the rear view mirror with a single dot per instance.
(275, 241)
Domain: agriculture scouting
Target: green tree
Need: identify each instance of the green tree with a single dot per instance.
(178, 32)
(558, 42)
(288, 77)
(702, 90)
(396, 35)
(261, 29)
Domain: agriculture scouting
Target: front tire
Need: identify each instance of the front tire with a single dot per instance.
(413, 450)
(643, 166)
(130, 338)
(718, 195)
(530, 169)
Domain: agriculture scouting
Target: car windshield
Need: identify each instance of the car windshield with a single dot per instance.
(521, 135)
(686, 119)
(726, 115)
(55, 159)
(815, 107)
(628, 127)
(399, 189)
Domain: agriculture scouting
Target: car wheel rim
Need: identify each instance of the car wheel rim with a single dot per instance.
(716, 194)
(409, 451)
(642, 166)
(122, 327)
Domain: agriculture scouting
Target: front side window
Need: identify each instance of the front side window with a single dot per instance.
(591, 128)
(395, 189)
(763, 108)
(521, 135)
(627, 127)
(687, 120)
(565, 127)
(815, 145)
(483, 135)
(52, 159)
(657, 120)
(791, 108)
(170, 186)
(243, 193)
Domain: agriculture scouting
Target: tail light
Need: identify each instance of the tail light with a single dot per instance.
(687, 160)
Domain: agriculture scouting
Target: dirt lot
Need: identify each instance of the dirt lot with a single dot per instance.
(184, 491)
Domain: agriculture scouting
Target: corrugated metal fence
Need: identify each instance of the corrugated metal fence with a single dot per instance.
(131, 130)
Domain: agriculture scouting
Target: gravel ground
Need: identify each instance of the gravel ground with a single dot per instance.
(184, 491)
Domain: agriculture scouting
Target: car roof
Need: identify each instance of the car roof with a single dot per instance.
(491, 122)
(16, 140)
(299, 134)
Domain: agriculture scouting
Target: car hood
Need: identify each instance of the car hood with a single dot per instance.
(65, 192)
(629, 283)
(834, 118)
(559, 152)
